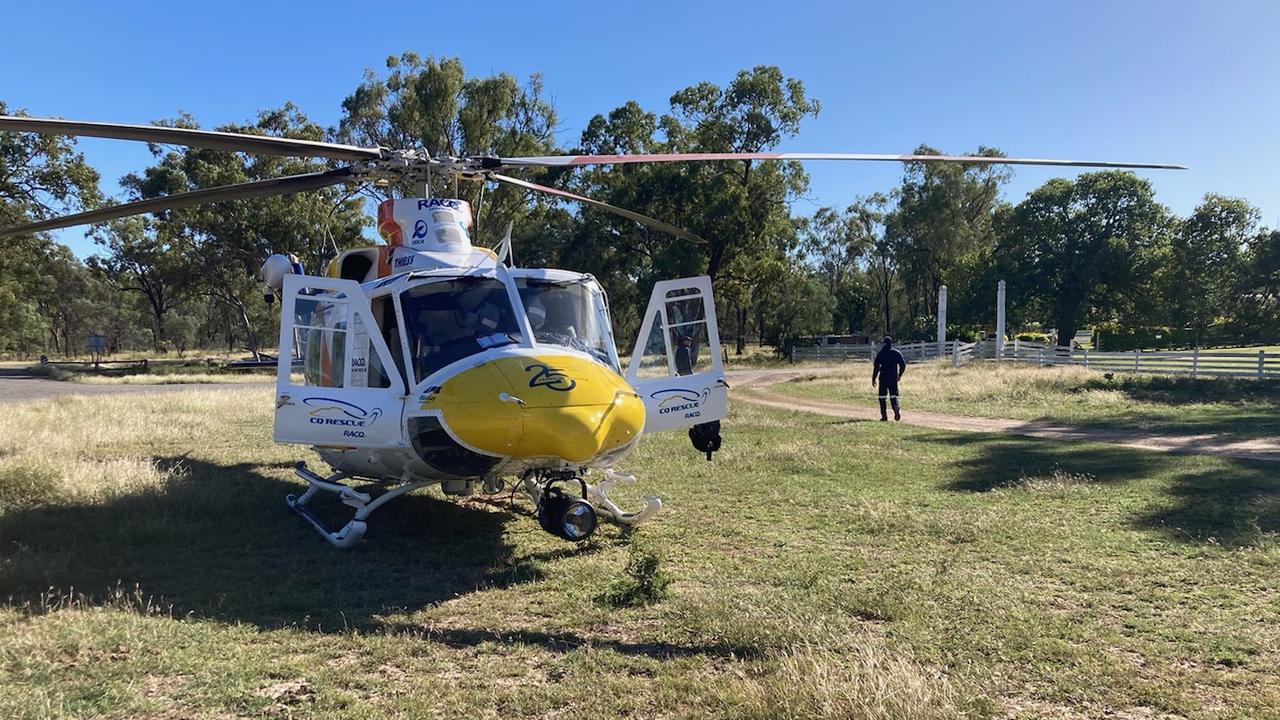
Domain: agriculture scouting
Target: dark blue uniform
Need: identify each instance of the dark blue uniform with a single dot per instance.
(889, 365)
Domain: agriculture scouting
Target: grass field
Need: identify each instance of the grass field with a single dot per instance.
(821, 568)
(1074, 395)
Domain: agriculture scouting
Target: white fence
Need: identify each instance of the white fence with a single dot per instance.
(1258, 365)
(1197, 363)
(953, 350)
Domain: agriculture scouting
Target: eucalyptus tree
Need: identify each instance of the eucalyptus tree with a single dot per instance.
(40, 176)
(738, 211)
(221, 245)
(433, 105)
(942, 225)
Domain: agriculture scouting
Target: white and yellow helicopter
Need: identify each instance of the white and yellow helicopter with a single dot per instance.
(428, 361)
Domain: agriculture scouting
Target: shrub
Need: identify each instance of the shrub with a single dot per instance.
(643, 582)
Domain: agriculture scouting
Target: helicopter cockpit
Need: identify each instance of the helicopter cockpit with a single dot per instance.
(570, 312)
(447, 319)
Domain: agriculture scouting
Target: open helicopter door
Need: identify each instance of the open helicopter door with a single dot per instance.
(676, 364)
(345, 391)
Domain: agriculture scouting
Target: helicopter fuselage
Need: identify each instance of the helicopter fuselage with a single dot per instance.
(432, 361)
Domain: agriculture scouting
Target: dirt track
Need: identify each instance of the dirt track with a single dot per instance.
(753, 386)
(20, 385)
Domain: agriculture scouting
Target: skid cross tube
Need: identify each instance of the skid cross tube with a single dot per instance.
(364, 504)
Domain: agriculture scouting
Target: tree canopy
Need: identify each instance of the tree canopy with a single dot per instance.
(1096, 249)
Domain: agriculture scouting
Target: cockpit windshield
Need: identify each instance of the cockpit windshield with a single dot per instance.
(569, 313)
(454, 319)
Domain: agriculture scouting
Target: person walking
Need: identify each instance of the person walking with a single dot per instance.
(684, 356)
(889, 366)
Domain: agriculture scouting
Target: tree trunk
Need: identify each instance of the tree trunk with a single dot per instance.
(250, 336)
(740, 344)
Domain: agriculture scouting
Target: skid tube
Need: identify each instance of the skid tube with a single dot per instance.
(364, 503)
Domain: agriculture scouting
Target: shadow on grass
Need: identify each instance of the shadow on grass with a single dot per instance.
(1236, 507)
(218, 541)
(1002, 461)
(567, 641)
(1236, 504)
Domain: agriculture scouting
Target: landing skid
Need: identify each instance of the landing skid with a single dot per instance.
(364, 504)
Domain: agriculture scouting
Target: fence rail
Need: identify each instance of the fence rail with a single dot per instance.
(1258, 365)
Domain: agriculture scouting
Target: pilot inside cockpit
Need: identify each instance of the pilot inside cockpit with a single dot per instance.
(452, 320)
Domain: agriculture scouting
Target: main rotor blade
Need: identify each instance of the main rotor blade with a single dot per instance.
(574, 160)
(236, 142)
(642, 219)
(258, 188)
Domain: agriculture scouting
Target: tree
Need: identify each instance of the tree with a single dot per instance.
(835, 247)
(222, 245)
(140, 260)
(1261, 282)
(40, 176)
(432, 104)
(1085, 249)
(1207, 260)
(738, 211)
(941, 226)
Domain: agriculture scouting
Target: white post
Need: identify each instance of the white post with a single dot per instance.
(942, 319)
(1262, 364)
(955, 355)
(1195, 362)
(1086, 358)
(1000, 320)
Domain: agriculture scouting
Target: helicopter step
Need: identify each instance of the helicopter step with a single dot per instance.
(364, 503)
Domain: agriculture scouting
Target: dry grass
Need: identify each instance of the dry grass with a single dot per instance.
(819, 569)
(838, 679)
(1072, 395)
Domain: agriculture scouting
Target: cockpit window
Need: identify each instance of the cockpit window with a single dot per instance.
(571, 314)
(454, 319)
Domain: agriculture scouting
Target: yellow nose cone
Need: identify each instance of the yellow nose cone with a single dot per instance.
(527, 407)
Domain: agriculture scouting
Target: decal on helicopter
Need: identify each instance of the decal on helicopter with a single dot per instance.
(356, 416)
(428, 395)
(550, 378)
(679, 400)
(439, 202)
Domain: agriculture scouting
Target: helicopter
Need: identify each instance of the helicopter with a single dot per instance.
(428, 361)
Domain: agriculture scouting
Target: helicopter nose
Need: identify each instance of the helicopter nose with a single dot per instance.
(553, 406)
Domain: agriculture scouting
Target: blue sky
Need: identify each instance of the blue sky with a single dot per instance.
(1188, 82)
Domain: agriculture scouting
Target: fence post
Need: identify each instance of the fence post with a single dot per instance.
(1040, 357)
(1136, 355)
(955, 354)
(1016, 347)
(1086, 358)
(1195, 362)
(1262, 364)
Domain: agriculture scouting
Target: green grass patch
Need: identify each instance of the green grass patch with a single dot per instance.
(1071, 395)
(818, 568)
